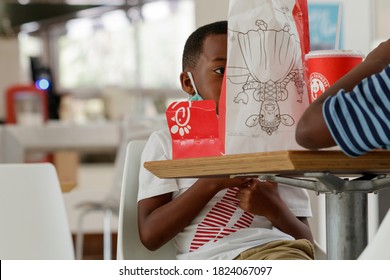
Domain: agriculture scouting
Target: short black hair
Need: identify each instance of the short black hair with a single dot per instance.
(194, 44)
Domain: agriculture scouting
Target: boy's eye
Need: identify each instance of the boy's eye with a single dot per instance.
(220, 71)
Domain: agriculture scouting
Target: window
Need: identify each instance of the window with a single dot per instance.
(29, 46)
(137, 48)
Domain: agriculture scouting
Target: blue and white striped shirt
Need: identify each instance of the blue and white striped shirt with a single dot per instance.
(360, 121)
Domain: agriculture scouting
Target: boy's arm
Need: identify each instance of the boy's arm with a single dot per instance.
(312, 131)
(262, 198)
(160, 218)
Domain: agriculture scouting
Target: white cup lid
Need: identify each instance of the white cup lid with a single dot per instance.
(333, 53)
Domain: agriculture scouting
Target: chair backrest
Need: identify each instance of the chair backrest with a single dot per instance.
(129, 246)
(131, 129)
(379, 247)
(34, 224)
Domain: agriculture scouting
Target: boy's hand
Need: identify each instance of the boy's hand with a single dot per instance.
(261, 198)
(225, 182)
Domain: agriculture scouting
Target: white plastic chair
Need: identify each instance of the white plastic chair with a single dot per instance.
(379, 247)
(129, 246)
(132, 129)
(319, 252)
(34, 224)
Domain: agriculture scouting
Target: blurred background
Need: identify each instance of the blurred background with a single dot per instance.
(105, 61)
(102, 54)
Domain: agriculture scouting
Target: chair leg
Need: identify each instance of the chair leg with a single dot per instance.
(107, 246)
(80, 237)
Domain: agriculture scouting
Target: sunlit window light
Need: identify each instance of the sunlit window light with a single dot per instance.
(79, 28)
(156, 10)
(24, 2)
(29, 27)
(115, 20)
(97, 2)
(134, 14)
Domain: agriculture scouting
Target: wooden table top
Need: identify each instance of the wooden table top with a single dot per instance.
(291, 162)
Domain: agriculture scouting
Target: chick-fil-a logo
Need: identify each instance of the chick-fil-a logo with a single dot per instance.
(181, 118)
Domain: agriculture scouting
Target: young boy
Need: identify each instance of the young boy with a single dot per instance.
(354, 113)
(218, 218)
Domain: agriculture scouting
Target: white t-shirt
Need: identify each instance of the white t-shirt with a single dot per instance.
(222, 230)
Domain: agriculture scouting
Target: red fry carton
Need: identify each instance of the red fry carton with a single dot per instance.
(193, 126)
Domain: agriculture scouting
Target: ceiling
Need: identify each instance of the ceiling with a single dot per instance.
(14, 13)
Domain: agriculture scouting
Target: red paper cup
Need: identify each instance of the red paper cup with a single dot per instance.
(325, 67)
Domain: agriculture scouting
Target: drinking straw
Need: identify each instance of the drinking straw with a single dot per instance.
(338, 28)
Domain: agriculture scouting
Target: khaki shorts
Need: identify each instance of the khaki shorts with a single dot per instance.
(300, 249)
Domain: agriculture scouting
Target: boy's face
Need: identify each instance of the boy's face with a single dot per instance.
(208, 74)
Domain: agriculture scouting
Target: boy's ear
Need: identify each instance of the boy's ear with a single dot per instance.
(186, 84)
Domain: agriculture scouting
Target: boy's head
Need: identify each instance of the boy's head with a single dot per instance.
(204, 56)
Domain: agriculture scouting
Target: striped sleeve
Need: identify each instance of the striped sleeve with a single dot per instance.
(359, 121)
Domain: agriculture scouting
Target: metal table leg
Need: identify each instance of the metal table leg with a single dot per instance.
(346, 225)
(346, 208)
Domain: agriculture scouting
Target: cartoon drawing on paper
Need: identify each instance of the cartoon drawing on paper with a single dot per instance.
(270, 58)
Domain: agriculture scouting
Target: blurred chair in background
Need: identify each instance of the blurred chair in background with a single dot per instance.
(132, 129)
(34, 224)
(129, 246)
